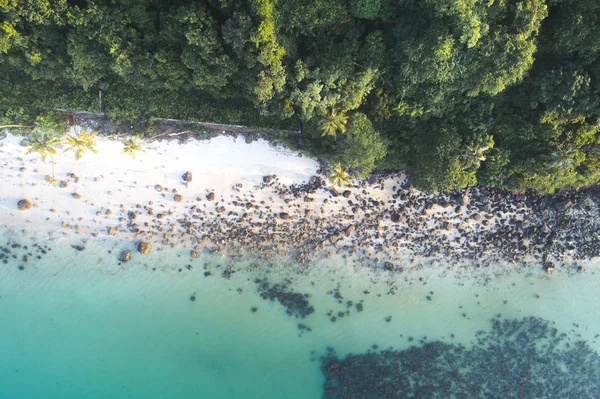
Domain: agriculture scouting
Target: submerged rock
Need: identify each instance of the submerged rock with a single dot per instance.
(125, 256)
(525, 358)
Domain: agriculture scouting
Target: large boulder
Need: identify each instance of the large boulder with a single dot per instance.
(24, 204)
(144, 247)
(210, 196)
(187, 177)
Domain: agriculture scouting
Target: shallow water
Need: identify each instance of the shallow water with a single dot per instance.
(76, 324)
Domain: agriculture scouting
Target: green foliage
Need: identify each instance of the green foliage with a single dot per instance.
(367, 9)
(362, 146)
(51, 122)
(334, 122)
(132, 146)
(81, 142)
(44, 143)
(339, 176)
(459, 92)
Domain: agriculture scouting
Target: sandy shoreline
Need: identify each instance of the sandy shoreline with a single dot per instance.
(254, 197)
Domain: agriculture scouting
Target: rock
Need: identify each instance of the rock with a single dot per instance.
(24, 204)
(562, 205)
(350, 230)
(397, 218)
(464, 200)
(346, 194)
(158, 188)
(187, 177)
(63, 183)
(389, 266)
(448, 226)
(110, 230)
(308, 199)
(76, 195)
(195, 254)
(316, 181)
(334, 192)
(178, 198)
(144, 247)
(125, 256)
(268, 179)
(108, 212)
(211, 196)
(284, 216)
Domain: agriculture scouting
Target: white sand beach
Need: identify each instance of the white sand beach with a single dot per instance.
(274, 194)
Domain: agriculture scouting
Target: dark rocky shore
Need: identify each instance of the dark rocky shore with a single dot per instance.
(383, 222)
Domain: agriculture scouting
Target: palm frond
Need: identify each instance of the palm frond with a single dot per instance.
(334, 121)
(339, 176)
(132, 145)
(81, 142)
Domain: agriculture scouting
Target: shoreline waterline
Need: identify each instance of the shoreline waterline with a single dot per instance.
(82, 325)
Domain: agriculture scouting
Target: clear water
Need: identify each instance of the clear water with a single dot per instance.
(78, 325)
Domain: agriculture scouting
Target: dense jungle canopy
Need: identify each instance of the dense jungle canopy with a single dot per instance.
(502, 93)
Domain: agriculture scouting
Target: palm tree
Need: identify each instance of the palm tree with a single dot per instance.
(83, 141)
(44, 144)
(132, 145)
(473, 156)
(562, 158)
(340, 176)
(334, 120)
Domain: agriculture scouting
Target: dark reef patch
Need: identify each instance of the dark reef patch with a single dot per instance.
(525, 358)
(296, 304)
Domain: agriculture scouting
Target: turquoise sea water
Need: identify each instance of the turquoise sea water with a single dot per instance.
(76, 324)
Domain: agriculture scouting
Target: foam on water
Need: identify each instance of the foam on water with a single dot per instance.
(76, 324)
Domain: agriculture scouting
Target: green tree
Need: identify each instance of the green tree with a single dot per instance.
(362, 146)
(334, 122)
(132, 145)
(339, 176)
(81, 142)
(44, 144)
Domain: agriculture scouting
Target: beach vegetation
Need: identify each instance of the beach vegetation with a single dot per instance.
(333, 122)
(45, 144)
(81, 142)
(133, 145)
(339, 176)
